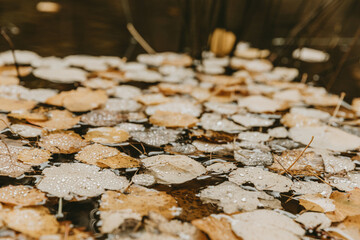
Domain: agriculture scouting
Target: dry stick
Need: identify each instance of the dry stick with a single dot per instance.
(59, 213)
(285, 170)
(337, 108)
(66, 231)
(304, 78)
(297, 159)
(136, 35)
(11, 45)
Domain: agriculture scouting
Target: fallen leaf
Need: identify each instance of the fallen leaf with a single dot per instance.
(177, 106)
(310, 187)
(4, 122)
(263, 180)
(21, 195)
(77, 179)
(103, 118)
(8, 105)
(125, 92)
(325, 137)
(299, 120)
(8, 80)
(32, 221)
(173, 169)
(61, 75)
(346, 183)
(313, 220)
(261, 104)
(106, 135)
(11, 71)
(252, 120)
(140, 200)
(221, 79)
(62, 142)
(259, 223)
(155, 136)
(152, 99)
(34, 156)
(232, 198)
(143, 179)
(215, 122)
(307, 164)
(171, 119)
(79, 100)
(346, 205)
(26, 130)
(316, 203)
(9, 165)
(215, 228)
(103, 156)
(310, 55)
(37, 116)
(348, 229)
(58, 120)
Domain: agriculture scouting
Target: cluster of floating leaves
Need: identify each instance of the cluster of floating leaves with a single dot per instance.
(171, 148)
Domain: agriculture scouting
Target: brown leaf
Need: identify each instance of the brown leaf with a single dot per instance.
(79, 100)
(4, 122)
(215, 228)
(21, 196)
(222, 42)
(58, 120)
(308, 163)
(103, 156)
(152, 99)
(32, 221)
(62, 142)
(173, 88)
(34, 156)
(13, 105)
(298, 120)
(11, 71)
(172, 119)
(140, 200)
(37, 116)
(106, 135)
(316, 203)
(349, 228)
(119, 161)
(221, 79)
(8, 80)
(347, 204)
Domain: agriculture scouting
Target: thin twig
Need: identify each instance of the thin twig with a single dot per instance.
(136, 35)
(297, 159)
(12, 48)
(337, 108)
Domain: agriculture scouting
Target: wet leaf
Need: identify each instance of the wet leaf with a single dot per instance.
(171, 119)
(325, 137)
(77, 179)
(252, 120)
(263, 180)
(152, 99)
(4, 122)
(141, 201)
(32, 221)
(317, 203)
(58, 120)
(8, 105)
(21, 196)
(215, 228)
(259, 223)
(212, 121)
(34, 156)
(260, 104)
(232, 198)
(313, 220)
(155, 136)
(61, 75)
(26, 130)
(9, 165)
(103, 118)
(168, 169)
(37, 116)
(106, 135)
(346, 205)
(62, 142)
